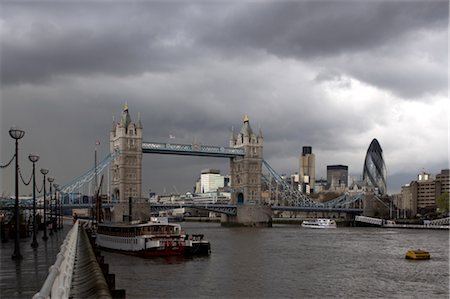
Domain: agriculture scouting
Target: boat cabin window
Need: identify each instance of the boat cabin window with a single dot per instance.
(138, 230)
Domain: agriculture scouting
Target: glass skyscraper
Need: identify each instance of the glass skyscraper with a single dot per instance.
(374, 173)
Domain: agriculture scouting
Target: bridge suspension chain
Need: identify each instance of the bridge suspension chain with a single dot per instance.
(289, 194)
(89, 175)
(294, 197)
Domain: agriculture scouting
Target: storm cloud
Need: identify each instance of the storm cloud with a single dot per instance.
(331, 75)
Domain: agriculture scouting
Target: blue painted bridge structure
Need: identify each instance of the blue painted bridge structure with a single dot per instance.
(191, 150)
(232, 209)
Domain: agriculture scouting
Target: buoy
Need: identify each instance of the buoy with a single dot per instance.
(417, 255)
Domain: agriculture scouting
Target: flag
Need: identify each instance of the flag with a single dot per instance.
(171, 136)
(97, 142)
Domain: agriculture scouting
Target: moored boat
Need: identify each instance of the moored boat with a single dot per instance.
(319, 223)
(154, 238)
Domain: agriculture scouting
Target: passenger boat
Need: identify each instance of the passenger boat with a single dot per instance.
(319, 223)
(154, 238)
(417, 255)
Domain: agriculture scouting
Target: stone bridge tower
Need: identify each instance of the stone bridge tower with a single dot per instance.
(126, 169)
(246, 171)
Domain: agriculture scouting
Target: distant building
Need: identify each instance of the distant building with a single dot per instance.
(337, 177)
(307, 176)
(420, 195)
(320, 186)
(374, 172)
(442, 182)
(405, 203)
(211, 180)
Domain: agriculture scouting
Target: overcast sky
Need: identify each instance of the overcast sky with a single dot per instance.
(328, 74)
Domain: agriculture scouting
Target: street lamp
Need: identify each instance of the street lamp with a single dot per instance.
(61, 210)
(17, 134)
(34, 158)
(44, 172)
(50, 180)
(55, 220)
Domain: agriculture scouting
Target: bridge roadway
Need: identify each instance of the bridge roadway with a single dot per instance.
(232, 209)
(219, 208)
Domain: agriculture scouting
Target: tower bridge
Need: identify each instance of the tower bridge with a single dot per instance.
(250, 174)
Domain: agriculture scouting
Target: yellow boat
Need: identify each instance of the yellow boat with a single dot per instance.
(418, 255)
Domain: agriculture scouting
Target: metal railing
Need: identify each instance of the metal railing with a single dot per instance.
(59, 279)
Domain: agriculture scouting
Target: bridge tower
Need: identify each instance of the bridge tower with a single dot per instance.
(246, 171)
(126, 169)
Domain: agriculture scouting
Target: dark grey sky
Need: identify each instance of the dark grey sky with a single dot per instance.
(328, 74)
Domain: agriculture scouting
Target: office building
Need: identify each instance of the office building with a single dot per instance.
(307, 175)
(420, 195)
(211, 180)
(337, 177)
(374, 172)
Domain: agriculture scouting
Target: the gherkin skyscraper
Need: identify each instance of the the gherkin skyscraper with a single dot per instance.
(374, 173)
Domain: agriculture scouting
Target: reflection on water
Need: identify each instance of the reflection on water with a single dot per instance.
(289, 261)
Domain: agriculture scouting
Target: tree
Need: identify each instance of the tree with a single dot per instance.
(443, 202)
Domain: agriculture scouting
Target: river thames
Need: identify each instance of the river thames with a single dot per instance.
(287, 261)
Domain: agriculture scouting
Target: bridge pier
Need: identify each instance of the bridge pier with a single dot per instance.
(249, 215)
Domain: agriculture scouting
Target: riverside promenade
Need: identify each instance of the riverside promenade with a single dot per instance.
(22, 279)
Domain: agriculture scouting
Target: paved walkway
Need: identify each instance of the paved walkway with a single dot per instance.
(22, 279)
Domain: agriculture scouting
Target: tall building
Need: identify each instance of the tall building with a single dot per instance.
(245, 172)
(423, 191)
(443, 182)
(337, 177)
(374, 172)
(420, 195)
(407, 204)
(211, 180)
(126, 169)
(307, 175)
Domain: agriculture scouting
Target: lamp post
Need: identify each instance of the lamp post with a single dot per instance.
(50, 180)
(61, 210)
(55, 220)
(44, 237)
(34, 158)
(17, 134)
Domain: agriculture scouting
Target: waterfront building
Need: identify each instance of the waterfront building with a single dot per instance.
(374, 172)
(405, 202)
(442, 182)
(245, 172)
(211, 180)
(420, 195)
(337, 178)
(126, 169)
(307, 174)
(423, 193)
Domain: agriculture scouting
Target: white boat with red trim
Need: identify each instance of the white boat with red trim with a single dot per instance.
(154, 238)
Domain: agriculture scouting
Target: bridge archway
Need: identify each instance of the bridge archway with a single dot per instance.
(240, 198)
(116, 195)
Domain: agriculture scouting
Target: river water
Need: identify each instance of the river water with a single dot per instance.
(287, 261)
